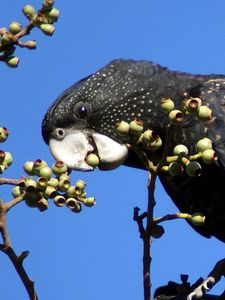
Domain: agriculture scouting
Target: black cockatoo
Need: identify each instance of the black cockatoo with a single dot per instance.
(82, 120)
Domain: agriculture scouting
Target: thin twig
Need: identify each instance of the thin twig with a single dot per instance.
(9, 181)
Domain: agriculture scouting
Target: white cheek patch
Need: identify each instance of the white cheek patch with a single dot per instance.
(72, 150)
(111, 153)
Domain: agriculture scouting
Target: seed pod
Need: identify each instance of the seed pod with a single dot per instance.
(30, 185)
(71, 191)
(42, 183)
(59, 201)
(180, 149)
(59, 168)
(155, 145)
(136, 127)
(193, 104)
(64, 184)
(47, 29)
(64, 176)
(73, 204)
(15, 27)
(176, 116)
(12, 61)
(204, 144)
(48, 3)
(204, 113)
(16, 191)
(80, 184)
(4, 133)
(167, 105)
(31, 44)
(6, 38)
(122, 128)
(53, 15)
(50, 192)
(45, 172)
(92, 160)
(89, 201)
(53, 182)
(193, 169)
(31, 199)
(38, 165)
(28, 167)
(42, 204)
(149, 136)
(198, 219)
(175, 168)
(29, 11)
(157, 231)
(8, 159)
(209, 156)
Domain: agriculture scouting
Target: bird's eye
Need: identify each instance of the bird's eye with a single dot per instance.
(81, 110)
(60, 133)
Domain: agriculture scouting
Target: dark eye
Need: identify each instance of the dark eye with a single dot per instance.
(81, 110)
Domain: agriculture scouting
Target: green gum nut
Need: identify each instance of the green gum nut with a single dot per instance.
(73, 204)
(38, 165)
(15, 27)
(59, 201)
(193, 104)
(204, 144)
(193, 169)
(155, 145)
(31, 199)
(198, 219)
(29, 11)
(53, 15)
(136, 127)
(16, 191)
(42, 204)
(12, 61)
(6, 38)
(89, 201)
(149, 136)
(176, 116)
(50, 192)
(180, 149)
(30, 185)
(53, 182)
(71, 191)
(175, 168)
(45, 172)
(209, 156)
(42, 183)
(80, 184)
(204, 113)
(92, 160)
(122, 128)
(59, 168)
(64, 176)
(47, 29)
(157, 231)
(4, 133)
(8, 159)
(31, 44)
(167, 105)
(28, 167)
(48, 3)
(64, 185)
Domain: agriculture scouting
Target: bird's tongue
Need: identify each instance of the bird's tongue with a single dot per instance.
(75, 147)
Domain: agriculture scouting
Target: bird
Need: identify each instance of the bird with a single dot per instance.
(82, 121)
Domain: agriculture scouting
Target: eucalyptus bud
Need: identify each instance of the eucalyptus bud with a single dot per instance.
(92, 160)
(45, 172)
(4, 133)
(193, 104)
(193, 169)
(209, 156)
(15, 27)
(89, 201)
(167, 105)
(28, 167)
(73, 204)
(59, 200)
(29, 11)
(136, 127)
(42, 183)
(53, 15)
(122, 128)
(8, 159)
(198, 219)
(204, 113)
(38, 165)
(176, 116)
(157, 231)
(42, 204)
(59, 168)
(16, 191)
(53, 182)
(64, 184)
(30, 185)
(31, 44)
(47, 29)
(12, 61)
(149, 136)
(50, 192)
(80, 184)
(204, 144)
(180, 149)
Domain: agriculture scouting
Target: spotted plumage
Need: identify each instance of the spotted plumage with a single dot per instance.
(83, 118)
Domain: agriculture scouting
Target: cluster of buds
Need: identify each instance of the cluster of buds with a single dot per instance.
(140, 137)
(43, 18)
(190, 106)
(183, 161)
(54, 183)
(6, 158)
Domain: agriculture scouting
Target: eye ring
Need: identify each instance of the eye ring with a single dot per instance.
(60, 133)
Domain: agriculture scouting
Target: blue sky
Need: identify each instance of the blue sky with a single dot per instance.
(98, 254)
